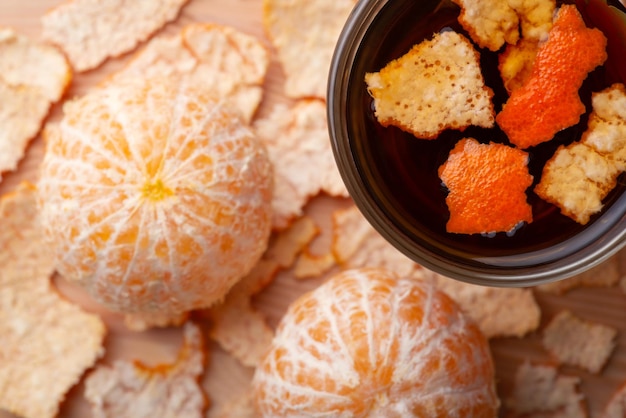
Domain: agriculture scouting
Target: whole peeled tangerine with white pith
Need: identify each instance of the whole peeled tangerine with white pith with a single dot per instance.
(370, 343)
(154, 196)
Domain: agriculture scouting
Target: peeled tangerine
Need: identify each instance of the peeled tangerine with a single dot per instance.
(154, 195)
(368, 343)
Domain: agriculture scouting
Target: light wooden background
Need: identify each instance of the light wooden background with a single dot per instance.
(225, 378)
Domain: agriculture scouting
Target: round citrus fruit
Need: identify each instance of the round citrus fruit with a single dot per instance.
(368, 343)
(155, 196)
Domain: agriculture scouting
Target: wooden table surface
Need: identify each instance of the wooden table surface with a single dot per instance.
(225, 377)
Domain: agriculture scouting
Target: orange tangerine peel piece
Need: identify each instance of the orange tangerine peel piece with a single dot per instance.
(487, 187)
(549, 101)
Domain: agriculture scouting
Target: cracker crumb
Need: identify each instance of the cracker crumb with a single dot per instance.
(437, 85)
(579, 342)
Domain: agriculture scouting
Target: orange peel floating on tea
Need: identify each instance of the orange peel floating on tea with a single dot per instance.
(33, 75)
(370, 343)
(487, 187)
(132, 389)
(90, 31)
(549, 101)
(155, 196)
(437, 85)
(47, 342)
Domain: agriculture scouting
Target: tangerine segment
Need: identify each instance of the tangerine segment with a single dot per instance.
(549, 100)
(487, 187)
(369, 343)
(154, 195)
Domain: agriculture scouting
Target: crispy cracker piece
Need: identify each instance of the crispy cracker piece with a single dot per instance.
(437, 85)
(33, 75)
(576, 179)
(490, 23)
(231, 63)
(606, 129)
(549, 102)
(309, 27)
(616, 406)
(486, 187)
(90, 31)
(579, 342)
(47, 342)
(499, 312)
(541, 391)
(606, 274)
(133, 389)
(237, 326)
(355, 244)
(299, 147)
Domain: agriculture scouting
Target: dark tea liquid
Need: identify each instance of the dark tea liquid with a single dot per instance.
(402, 169)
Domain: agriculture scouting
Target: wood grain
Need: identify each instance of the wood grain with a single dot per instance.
(225, 378)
